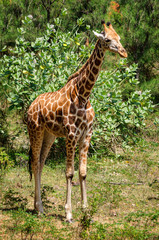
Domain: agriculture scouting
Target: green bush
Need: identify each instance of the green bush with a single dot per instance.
(118, 121)
(40, 66)
(4, 139)
(5, 161)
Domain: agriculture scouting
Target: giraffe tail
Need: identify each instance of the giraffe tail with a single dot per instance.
(30, 160)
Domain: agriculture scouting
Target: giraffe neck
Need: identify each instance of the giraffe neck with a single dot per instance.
(88, 74)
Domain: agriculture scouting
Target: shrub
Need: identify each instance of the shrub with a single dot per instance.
(118, 121)
(40, 66)
(5, 161)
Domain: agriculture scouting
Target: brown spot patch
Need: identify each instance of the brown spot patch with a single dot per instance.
(97, 62)
(34, 126)
(47, 118)
(73, 129)
(56, 127)
(50, 124)
(73, 143)
(63, 90)
(30, 111)
(98, 53)
(91, 77)
(73, 95)
(68, 94)
(34, 107)
(81, 101)
(80, 113)
(45, 111)
(65, 120)
(72, 108)
(70, 137)
(95, 70)
(90, 118)
(86, 94)
(78, 122)
(59, 112)
(54, 106)
(79, 84)
(83, 79)
(82, 125)
(62, 100)
(49, 106)
(35, 116)
(88, 104)
(83, 73)
(91, 66)
(66, 108)
(89, 86)
(72, 119)
(81, 91)
(57, 96)
(42, 103)
(52, 116)
(68, 128)
(59, 119)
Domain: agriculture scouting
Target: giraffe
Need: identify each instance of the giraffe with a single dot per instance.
(68, 113)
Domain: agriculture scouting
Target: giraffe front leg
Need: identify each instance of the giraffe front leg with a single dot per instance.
(69, 175)
(83, 149)
(68, 206)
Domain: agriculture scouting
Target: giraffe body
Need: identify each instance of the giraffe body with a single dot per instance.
(67, 113)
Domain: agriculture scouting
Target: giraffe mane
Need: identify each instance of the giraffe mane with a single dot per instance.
(76, 74)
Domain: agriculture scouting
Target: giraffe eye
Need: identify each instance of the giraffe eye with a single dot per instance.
(107, 40)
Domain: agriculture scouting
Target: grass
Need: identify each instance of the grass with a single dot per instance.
(123, 196)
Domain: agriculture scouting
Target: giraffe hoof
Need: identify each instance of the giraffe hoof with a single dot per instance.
(41, 214)
(69, 220)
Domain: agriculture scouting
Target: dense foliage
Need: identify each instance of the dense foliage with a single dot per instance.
(118, 120)
(136, 22)
(141, 33)
(45, 64)
(40, 66)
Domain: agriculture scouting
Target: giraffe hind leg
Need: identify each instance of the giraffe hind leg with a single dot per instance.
(35, 165)
(48, 141)
(40, 146)
(30, 159)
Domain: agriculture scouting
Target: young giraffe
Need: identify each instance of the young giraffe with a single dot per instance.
(68, 113)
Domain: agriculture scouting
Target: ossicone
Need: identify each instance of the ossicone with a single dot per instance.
(102, 22)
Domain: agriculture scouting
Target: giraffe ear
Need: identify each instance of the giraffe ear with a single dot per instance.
(99, 35)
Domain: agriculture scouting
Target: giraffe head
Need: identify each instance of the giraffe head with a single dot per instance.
(110, 40)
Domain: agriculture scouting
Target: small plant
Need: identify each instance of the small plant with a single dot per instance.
(87, 218)
(25, 223)
(44, 193)
(13, 200)
(5, 162)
